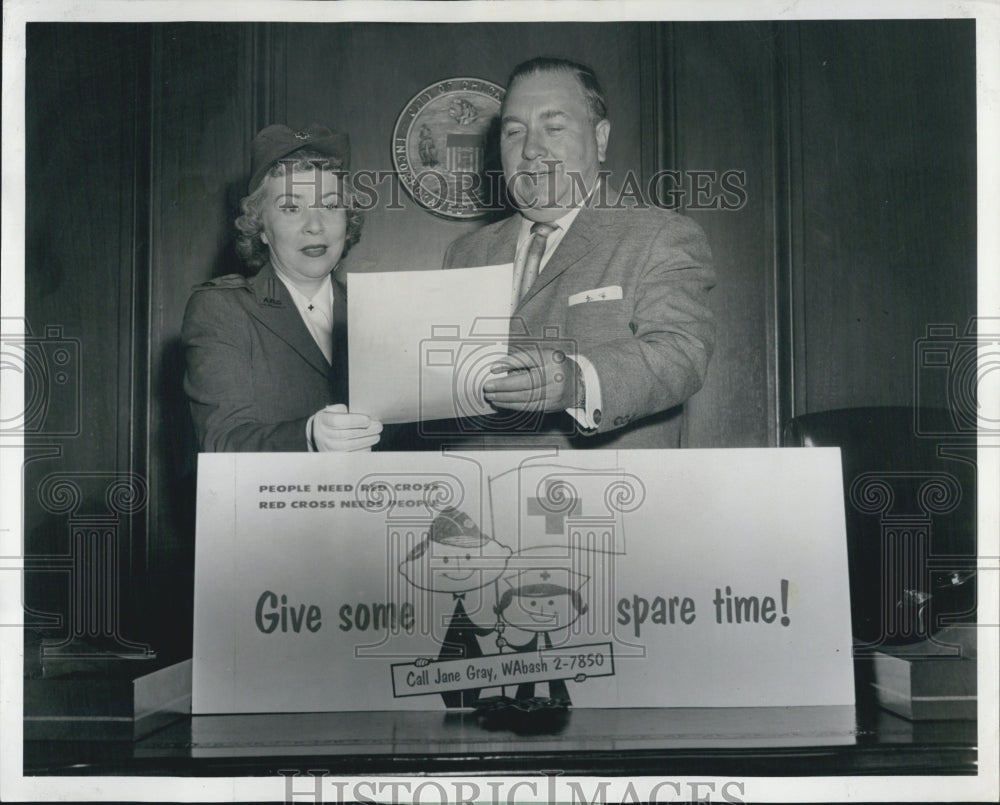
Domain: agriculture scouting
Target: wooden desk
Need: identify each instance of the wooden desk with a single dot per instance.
(720, 741)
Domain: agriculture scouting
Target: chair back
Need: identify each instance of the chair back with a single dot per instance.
(910, 512)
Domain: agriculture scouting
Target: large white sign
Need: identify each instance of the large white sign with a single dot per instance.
(378, 581)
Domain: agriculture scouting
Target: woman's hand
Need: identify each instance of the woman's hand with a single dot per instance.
(336, 429)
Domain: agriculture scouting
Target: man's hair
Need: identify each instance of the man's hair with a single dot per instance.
(585, 76)
(250, 224)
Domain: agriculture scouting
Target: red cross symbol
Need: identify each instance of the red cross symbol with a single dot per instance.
(553, 519)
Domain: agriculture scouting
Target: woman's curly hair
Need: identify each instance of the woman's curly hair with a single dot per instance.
(249, 246)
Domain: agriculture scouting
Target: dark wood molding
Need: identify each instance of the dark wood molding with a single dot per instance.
(134, 360)
(657, 105)
(268, 70)
(658, 113)
(784, 361)
(796, 265)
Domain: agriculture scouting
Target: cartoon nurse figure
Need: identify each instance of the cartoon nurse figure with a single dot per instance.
(542, 600)
(457, 558)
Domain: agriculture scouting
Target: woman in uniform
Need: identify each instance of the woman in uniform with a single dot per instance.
(266, 355)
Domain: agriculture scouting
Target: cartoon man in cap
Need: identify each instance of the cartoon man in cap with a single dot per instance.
(457, 557)
(546, 599)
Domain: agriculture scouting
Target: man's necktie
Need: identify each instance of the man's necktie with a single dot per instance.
(536, 248)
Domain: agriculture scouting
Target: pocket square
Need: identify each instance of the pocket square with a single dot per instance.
(605, 294)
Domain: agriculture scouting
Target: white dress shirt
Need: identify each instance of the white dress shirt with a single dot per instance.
(317, 314)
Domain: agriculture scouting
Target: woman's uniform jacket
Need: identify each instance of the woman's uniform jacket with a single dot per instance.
(254, 373)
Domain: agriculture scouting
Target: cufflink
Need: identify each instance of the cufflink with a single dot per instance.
(597, 416)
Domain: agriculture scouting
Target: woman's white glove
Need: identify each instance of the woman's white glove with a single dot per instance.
(336, 429)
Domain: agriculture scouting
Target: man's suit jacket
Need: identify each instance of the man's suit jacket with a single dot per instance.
(651, 347)
(254, 372)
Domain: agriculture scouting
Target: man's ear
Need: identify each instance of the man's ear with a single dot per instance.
(601, 132)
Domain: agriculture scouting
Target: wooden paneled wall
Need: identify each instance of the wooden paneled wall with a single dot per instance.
(722, 118)
(856, 143)
(86, 296)
(884, 174)
(203, 100)
(411, 57)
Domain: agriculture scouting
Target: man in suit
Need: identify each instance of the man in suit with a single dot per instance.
(612, 299)
(266, 355)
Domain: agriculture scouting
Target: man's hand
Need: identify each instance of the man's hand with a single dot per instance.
(335, 429)
(539, 379)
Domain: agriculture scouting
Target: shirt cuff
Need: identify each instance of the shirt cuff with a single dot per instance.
(588, 416)
(309, 435)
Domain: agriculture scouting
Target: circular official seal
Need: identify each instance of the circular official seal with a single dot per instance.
(444, 147)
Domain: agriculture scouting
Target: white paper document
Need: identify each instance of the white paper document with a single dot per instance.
(421, 343)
